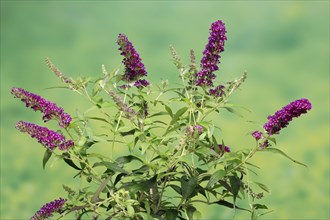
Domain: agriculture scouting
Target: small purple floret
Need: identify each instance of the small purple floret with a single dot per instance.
(282, 117)
(49, 209)
(141, 83)
(48, 138)
(217, 91)
(198, 128)
(257, 135)
(210, 60)
(223, 149)
(37, 103)
(134, 68)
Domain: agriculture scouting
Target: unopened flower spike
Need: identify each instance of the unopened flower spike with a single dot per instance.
(210, 60)
(59, 73)
(48, 138)
(282, 117)
(47, 211)
(49, 109)
(129, 112)
(134, 68)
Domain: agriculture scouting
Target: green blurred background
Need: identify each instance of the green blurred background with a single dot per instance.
(284, 46)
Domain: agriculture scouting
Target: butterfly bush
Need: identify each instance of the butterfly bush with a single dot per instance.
(148, 151)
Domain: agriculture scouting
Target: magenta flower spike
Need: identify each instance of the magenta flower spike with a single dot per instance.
(210, 60)
(37, 103)
(134, 68)
(47, 211)
(282, 117)
(48, 138)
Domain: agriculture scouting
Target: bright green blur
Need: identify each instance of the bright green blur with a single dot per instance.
(284, 46)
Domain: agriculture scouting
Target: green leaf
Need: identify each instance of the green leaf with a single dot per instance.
(230, 205)
(178, 114)
(98, 119)
(130, 210)
(265, 213)
(67, 159)
(159, 114)
(95, 197)
(272, 139)
(231, 110)
(188, 187)
(235, 184)
(171, 214)
(276, 150)
(259, 206)
(263, 187)
(124, 131)
(127, 159)
(47, 155)
(197, 215)
(216, 176)
(169, 110)
(190, 212)
(111, 166)
(176, 188)
(145, 216)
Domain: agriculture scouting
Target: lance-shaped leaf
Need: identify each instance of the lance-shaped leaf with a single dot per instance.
(216, 176)
(177, 115)
(278, 151)
(188, 187)
(230, 205)
(47, 155)
(111, 166)
(67, 159)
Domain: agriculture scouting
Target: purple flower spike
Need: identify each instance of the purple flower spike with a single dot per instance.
(210, 60)
(282, 117)
(134, 68)
(48, 138)
(48, 209)
(257, 135)
(37, 103)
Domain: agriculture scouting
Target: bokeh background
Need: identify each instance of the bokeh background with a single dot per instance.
(284, 46)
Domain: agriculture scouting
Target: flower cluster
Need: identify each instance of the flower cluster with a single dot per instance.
(134, 68)
(217, 91)
(141, 83)
(37, 103)
(48, 209)
(210, 60)
(282, 117)
(257, 135)
(48, 138)
(192, 130)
